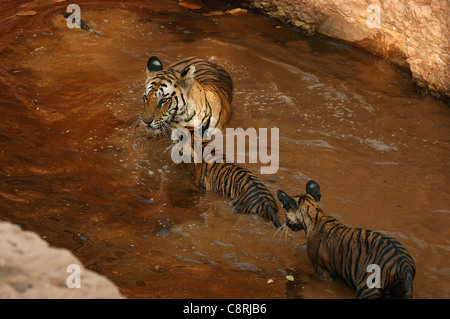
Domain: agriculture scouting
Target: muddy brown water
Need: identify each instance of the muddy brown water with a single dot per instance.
(76, 169)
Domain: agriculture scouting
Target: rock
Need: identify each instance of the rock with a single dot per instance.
(415, 33)
(30, 268)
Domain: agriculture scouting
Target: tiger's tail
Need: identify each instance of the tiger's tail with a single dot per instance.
(272, 215)
(248, 193)
(408, 282)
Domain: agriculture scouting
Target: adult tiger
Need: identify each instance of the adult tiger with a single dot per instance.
(248, 194)
(349, 253)
(188, 90)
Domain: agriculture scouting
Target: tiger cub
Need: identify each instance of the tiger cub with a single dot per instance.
(186, 91)
(350, 253)
(248, 194)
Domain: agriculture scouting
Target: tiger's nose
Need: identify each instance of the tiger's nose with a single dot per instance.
(144, 121)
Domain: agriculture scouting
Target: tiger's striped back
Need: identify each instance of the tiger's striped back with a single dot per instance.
(248, 194)
(209, 74)
(337, 250)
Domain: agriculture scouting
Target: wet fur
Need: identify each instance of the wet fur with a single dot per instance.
(193, 89)
(337, 250)
(248, 194)
(199, 89)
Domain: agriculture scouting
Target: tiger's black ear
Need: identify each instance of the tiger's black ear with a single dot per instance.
(287, 201)
(313, 189)
(154, 64)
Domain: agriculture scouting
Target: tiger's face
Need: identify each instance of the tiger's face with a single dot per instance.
(296, 211)
(165, 97)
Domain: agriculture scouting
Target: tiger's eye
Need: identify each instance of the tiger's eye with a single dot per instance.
(162, 102)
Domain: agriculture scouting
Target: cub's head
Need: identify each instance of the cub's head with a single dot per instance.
(295, 210)
(165, 96)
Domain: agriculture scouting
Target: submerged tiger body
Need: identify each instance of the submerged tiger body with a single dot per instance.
(247, 192)
(351, 253)
(195, 91)
(190, 90)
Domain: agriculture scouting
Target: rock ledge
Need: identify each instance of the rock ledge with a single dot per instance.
(411, 34)
(30, 268)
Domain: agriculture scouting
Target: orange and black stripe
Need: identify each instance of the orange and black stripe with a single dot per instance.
(247, 192)
(346, 252)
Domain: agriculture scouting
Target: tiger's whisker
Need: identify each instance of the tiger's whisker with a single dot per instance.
(166, 129)
(285, 235)
(279, 229)
(169, 148)
(135, 125)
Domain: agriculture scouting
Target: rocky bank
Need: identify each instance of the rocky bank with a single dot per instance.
(30, 268)
(413, 34)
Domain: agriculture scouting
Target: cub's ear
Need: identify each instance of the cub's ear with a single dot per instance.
(287, 201)
(154, 64)
(313, 189)
(187, 77)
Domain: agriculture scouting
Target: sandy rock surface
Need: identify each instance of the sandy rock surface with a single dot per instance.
(30, 268)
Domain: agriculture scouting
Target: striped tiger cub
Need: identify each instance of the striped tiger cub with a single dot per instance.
(248, 194)
(190, 90)
(350, 253)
